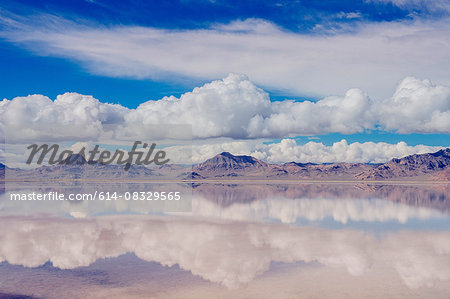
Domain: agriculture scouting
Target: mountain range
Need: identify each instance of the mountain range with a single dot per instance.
(226, 166)
(432, 166)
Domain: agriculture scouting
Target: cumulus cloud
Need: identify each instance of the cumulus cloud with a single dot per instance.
(371, 56)
(367, 152)
(229, 253)
(71, 116)
(235, 107)
(416, 106)
(220, 108)
(232, 107)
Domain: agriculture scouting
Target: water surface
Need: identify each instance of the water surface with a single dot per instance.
(240, 240)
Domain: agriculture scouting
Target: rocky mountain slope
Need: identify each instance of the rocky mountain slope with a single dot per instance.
(226, 165)
(435, 164)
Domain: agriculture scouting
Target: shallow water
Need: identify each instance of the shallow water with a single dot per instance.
(241, 240)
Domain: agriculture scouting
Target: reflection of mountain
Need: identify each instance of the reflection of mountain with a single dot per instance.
(15, 296)
(227, 166)
(430, 196)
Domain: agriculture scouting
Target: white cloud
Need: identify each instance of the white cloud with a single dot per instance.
(416, 106)
(372, 57)
(71, 117)
(235, 107)
(349, 15)
(232, 107)
(367, 152)
(220, 108)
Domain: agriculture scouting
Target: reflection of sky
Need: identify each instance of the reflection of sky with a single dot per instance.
(224, 252)
(434, 224)
(319, 211)
(370, 212)
(234, 248)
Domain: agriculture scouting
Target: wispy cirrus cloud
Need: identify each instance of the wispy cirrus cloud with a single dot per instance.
(370, 56)
(439, 7)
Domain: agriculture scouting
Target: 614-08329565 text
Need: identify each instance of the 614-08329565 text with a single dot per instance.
(102, 196)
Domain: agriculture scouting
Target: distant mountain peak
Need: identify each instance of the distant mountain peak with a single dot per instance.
(442, 152)
(238, 158)
(226, 161)
(75, 159)
(292, 163)
(226, 154)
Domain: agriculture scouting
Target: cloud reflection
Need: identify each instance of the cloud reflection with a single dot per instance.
(315, 209)
(229, 253)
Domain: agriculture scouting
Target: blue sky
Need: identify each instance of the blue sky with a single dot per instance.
(292, 15)
(130, 52)
(18, 64)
